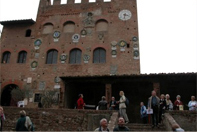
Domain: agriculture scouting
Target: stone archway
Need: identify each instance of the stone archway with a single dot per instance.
(6, 97)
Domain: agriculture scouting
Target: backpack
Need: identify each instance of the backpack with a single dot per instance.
(127, 102)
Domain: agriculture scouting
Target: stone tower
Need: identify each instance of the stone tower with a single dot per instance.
(106, 36)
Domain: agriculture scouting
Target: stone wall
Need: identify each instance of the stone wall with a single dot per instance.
(185, 119)
(57, 119)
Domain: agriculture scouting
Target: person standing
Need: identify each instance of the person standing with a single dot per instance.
(121, 125)
(192, 104)
(2, 118)
(103, 126)
(113, 104)
(102, 105)
(24, 123)
(153, 103)
(178, 103)
(80, 102)
(143, 113)
(122, 107)
(162, 107)
(169, 104)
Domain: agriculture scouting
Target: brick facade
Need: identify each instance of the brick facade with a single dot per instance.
(103, 27)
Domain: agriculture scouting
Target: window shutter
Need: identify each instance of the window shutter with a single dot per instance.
(49, 57)
(72, 57)
(20, 58)
(99, 55)
(24, 54)
(8, 57)
(78, 56)
(54, 57)
(102, 55)
(96, 56)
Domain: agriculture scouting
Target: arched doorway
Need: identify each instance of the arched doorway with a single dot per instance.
(6, 97)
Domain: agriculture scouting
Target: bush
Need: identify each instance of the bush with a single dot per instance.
(49, 98)
(18, 94)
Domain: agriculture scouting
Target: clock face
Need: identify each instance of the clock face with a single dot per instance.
(125, 15)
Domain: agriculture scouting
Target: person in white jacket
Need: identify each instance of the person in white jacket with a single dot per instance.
(122, 107)
(192, 104)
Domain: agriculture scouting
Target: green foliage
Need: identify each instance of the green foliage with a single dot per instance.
(49, 98)
(18, 94)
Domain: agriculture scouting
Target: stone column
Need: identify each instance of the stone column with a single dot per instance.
(56, 2)
(108, 92)
(70, 1)
(156, 87)
(62, 96)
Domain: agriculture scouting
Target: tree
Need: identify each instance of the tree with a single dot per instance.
(20, 94)
(49, 98)
(17, 94)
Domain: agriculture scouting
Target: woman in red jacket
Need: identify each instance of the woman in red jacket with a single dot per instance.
(80, 102)
(178, 103)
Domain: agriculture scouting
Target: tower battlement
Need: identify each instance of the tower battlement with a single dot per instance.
(56, 7)
(59, 2)
(77, 2)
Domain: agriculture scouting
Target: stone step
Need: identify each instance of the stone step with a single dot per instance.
(144, 127)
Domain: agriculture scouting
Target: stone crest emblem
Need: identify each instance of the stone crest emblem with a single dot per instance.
(76, 38)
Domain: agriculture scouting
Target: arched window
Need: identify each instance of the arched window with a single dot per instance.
(6, 57)
(99, 55)
(75, 56)
(22, 57)
(52, 56)
(48, 28)
(101, 25)
(28, 33)
(69, 27)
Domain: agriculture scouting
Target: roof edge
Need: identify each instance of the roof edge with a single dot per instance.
(20, 21)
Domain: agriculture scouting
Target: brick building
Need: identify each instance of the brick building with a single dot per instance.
(90, 48)
(67, 40)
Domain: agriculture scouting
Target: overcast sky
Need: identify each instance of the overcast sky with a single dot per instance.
(167, 31)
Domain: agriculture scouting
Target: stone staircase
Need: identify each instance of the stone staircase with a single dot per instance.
(144, 127)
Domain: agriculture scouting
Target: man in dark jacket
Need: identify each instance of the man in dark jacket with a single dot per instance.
(121, 125)
(153, 103)
(102, 105)
(113, 105)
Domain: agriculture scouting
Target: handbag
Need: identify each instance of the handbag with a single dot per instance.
(149, 111)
